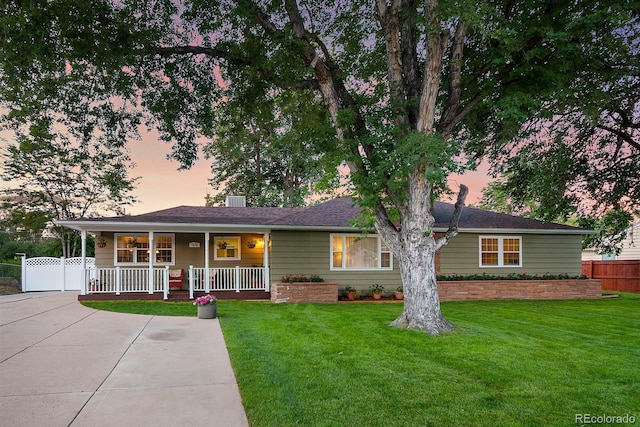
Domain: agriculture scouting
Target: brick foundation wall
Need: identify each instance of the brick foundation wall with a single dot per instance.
(519, 289)
(304, 292)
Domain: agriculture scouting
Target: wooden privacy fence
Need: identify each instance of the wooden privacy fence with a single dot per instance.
(622, 275)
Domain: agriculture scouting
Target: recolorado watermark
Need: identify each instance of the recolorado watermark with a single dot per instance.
(585, 419)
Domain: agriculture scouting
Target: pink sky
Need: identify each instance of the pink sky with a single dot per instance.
(162, 186)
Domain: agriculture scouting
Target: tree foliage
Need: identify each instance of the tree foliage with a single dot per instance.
(578, 156)
(268, 152)
(47, 177)
(69, 113)
(414, 90)
(611, 229)
(11, 246)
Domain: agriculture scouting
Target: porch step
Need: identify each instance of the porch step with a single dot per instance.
(178, 296)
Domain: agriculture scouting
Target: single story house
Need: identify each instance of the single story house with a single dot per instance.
(245, 249)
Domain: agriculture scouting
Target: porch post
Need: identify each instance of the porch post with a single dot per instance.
(265, 262)
(83, 284)
(207, 282)
(152, 255)
(165, 284)
(191, 280)
(118, 280)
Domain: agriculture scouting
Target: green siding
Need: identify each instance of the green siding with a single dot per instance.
(297, 252)
(303, 252)
(186, 256)
(541, 253)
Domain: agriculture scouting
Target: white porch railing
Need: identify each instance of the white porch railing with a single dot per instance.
(117, 280)
(227, 279)
(121, 280)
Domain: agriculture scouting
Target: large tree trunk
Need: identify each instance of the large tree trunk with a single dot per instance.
(414, 246)
(421, 300)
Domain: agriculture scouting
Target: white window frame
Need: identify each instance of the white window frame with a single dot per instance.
(238, 248)
(380, 252)
(135, 250)
(501, 263)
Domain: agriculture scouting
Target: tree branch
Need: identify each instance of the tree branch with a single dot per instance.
(390, 22)
(200, 50)
(461, 114)
(213, 52)
(333, 91)
(410, 68)
(387, 229)
(455, 78)
(436, 42)
(455, 218)
(622, 135)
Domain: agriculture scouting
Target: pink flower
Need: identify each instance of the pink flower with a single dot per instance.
(205, 299)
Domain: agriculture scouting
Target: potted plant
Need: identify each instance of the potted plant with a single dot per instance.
(207, 306)
(351, 292)
(101, 242)
(399, 292)
(222, 244)
(376, 290)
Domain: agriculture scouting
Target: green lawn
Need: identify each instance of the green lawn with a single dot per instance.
(157, 308)
(525, 363)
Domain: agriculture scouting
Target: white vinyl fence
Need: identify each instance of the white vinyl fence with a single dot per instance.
(53, 274)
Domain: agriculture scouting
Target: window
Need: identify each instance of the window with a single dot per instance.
(354, 252)
(226, 248)
(134, 249)
(164, 249)
(500, 251)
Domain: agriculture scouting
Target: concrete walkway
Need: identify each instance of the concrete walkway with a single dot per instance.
(62, 364)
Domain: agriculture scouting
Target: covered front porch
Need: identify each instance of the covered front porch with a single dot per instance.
(225, 250)
(162, 264)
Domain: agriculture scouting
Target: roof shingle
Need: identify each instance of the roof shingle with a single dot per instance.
(333, 213)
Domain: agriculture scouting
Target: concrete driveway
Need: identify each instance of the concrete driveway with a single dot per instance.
(63, 364)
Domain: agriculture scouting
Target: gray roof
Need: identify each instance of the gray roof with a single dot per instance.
(333, 214)
(206, 215)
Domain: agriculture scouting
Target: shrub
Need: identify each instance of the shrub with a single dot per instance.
(290, 278)
(511, 276)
